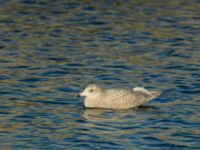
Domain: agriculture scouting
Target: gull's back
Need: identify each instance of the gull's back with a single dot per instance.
(124, 99)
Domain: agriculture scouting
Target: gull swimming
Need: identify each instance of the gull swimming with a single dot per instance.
(98, 97)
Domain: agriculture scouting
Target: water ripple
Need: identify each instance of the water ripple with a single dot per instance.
(51, 50)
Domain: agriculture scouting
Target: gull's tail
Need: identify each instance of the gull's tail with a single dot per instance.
(151, 94)
(154, 94)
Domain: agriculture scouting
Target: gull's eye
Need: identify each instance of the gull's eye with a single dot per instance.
(91, 90)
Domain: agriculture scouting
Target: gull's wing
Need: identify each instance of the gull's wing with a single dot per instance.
(117, 94)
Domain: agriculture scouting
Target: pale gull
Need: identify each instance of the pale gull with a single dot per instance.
(98, 97)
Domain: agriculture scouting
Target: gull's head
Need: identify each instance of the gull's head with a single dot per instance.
(91, 90)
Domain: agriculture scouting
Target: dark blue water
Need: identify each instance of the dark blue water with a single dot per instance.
(50, 50)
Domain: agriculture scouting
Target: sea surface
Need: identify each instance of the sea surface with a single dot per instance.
(50, 50)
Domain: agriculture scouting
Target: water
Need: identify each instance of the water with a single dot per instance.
(50, 50)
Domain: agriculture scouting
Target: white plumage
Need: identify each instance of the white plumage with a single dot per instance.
(97, 97)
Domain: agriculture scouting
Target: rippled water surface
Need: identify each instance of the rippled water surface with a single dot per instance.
(50, 50)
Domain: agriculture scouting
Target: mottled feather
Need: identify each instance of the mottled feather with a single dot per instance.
(96, 96)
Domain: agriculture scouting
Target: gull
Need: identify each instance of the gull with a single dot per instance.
(117, 98)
